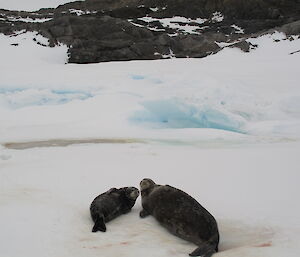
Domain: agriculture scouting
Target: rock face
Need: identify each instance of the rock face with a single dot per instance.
(115, 30)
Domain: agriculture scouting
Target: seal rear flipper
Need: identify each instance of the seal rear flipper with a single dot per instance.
(99, 225)
(204, 251)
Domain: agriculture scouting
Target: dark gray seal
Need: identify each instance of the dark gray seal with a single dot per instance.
(182, 215)
(112, 204)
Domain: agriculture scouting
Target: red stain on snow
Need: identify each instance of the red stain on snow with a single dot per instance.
(125, 243)
(264, 245)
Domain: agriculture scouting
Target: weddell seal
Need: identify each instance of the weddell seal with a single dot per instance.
(112, 204)
(182, 215)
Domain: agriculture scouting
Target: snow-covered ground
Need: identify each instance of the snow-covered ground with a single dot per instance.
(255, 94)
(225, 129)
(46, 192)
(31, 5)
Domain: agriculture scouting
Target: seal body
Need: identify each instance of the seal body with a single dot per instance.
(112, 204)
(182, 215)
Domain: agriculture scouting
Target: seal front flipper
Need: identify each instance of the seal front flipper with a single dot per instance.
(144, 213)
(125, 211)
(204, 251)
(99, 225)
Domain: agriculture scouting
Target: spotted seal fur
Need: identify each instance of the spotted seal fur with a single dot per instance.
(182, 215)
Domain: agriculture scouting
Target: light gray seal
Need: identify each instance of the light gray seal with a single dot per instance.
(112, 204)
(182, 215)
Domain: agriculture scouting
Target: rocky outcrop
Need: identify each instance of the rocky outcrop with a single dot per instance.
(114, 30)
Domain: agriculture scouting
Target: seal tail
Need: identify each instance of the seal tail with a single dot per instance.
(99, 225)
(205, 250)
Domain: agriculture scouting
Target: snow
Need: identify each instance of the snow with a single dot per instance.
(31, 5)
(238, 29)
(225, 129)
(256, 97)
(225, 44)
(155, 9)
(38, 20)
(46, 192)
(80, 12)
(217, 17)
(175, 22)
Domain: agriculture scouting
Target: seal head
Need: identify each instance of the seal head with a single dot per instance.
(147, 185)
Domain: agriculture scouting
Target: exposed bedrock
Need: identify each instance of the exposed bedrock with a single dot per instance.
(115, 30)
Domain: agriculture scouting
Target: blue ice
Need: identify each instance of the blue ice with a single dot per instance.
(138, 77)
(70, 92)
(22, 97)
(156, 81)
(174, 114)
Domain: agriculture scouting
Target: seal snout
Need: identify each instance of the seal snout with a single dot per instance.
(134, 194)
